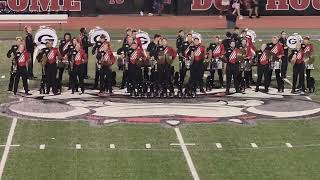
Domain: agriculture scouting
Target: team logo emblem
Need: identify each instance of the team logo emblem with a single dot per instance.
(144, 38)
(293, 40)
(43, 35)
(94, 35)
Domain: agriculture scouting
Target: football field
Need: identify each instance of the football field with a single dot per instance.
(71, 149)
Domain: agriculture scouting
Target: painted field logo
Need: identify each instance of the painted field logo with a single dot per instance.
(298, 5)
(44, 5)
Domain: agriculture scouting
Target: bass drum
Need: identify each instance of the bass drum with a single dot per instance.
(42, 35)
(144, 38)
(94, 35)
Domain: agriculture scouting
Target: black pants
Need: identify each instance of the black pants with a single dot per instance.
(60, 76)
(30, 67)
(51, 77)
(263, 71)
(182, 73)
(165, 77)
(280, 84)
(298, 71)
(232, 71)
(133, 73)
(284, 66)
(96, 78)
(196, 75)
(21, 72)
(105, 79)
(124, 78)
(220, 75)
(12, 77)
(308, 73)
(247, 77)
(77, 77)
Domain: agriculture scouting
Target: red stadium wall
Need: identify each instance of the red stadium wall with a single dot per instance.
(181, 7)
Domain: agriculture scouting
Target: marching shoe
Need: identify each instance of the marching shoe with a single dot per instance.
(28, 94)
(203, 91)
(257, 90)
(171, 94)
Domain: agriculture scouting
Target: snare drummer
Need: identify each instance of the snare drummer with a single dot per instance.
(297, 59)
(78, 59)
(64, 49)
(185, 53)
(215, 52)
(276, 51)
(30, 49)
(123, 60)
(85, 44)
(263, 62)
(51, 55)
(309, 53)
(14, 48)
(95, 50)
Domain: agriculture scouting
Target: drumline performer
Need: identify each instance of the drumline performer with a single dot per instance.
(95, 50)
(22, 58)
(166, 56)
(245, 63)
(123, 61)
(152, 55)
(198, 55)
(185, 63)
(105, 60)
(77, 64)
(297, 59)
(284, 65)
(135, 54)
(48, 57)
(309, 59)
(276, 50)
(263, 63)
(85, 44)
(64, 49)
(232, 68)
(215, 52)
(14, 48)
(30, 49)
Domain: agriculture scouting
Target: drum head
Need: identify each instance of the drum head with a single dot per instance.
(196, 35)
(44, 34)
(145, 39)
(94, 35)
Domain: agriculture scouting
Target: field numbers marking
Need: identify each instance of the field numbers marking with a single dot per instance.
(8, 145)
(187, 155)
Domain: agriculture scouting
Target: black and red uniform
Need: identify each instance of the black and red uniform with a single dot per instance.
(284, 58)
(165, 69)
(217, 50)
(308, 49)
(124, 50)
(263, 63)
(277, 52)
(30, 49)
(64, 49)
(13, 72)
(197, 68)
(85, 44)
(106, 59)
(184, 53)
(78, 58)
(232, 69)
(134, 71)
(298, 69)
(95, 50)
(22, 60)
(50, 68)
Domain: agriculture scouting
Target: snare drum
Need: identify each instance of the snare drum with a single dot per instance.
(309, 66)
(277, 65)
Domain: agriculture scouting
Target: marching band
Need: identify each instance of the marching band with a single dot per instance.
(148, 69)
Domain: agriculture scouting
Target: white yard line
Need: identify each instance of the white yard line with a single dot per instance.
(8, 145)
(187, 155)
(308, 98)
(13, 145)
(287, 80)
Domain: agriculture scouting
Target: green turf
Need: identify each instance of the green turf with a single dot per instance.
(60, 160)
(237, 160)
(4, 129)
